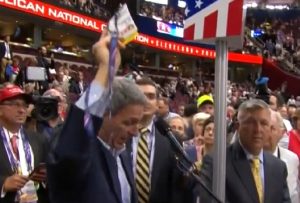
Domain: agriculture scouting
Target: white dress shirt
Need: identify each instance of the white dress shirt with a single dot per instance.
(7, 51)
(23, 163)
(151, 144)
(292, 163)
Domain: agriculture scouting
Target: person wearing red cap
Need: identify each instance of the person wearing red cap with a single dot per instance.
(20, 151)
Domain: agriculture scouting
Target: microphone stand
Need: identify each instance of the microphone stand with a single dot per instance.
(192, 172)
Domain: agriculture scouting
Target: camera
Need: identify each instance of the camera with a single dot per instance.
(45, 108)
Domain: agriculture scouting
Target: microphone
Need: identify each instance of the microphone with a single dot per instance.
(164, 128)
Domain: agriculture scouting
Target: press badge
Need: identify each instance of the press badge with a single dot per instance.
(123, 25)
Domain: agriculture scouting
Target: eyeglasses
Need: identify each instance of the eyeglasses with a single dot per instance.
(15, 104)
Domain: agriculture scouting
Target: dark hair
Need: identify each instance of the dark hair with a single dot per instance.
(145, 81)
(164, 99)
(206, 122)
(190, 110)
(279, 99)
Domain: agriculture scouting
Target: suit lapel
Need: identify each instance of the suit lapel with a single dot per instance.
(267, 180)
(126, 163)
(4, 158)
(35, 149)
(242, 168)
(113, 171)
(158, 150)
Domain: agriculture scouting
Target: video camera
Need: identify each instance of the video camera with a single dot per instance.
(45, 108)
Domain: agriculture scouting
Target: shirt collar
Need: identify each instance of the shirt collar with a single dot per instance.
(275, 153)
(150, 126)
(251, 156)
(10, 134)
(114, 152)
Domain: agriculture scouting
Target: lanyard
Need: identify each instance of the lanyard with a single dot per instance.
(15, 164)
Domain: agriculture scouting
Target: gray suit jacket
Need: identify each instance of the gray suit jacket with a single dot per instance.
(240, 185)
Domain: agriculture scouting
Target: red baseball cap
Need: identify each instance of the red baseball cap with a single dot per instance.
(11, 91)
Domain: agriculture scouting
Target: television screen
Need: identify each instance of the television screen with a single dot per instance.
(257, 33)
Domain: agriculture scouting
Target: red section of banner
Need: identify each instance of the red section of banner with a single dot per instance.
(189, 32)
(210, 25)
(193, 50)
(235, 18)
(72, 18)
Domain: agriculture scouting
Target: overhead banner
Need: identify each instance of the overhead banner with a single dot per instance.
(55, 13)
(209, 20)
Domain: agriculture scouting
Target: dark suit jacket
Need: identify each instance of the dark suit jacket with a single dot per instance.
(3, 50)
(43, 62)
(81, 169)
(168, 185)
(240, 185)
(37, 144)
(74, 87)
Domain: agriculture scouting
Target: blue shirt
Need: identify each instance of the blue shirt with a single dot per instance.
(97, 100)
(125, 187)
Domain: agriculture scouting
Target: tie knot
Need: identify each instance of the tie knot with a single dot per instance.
(144, 131)
(14, 136)
(256, 162)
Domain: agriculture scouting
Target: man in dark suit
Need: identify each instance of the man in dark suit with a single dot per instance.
(42, 61)
(89, 163)
(77, 85)
(164, 181)
(252, 175)
(20, 151)
(5, 55)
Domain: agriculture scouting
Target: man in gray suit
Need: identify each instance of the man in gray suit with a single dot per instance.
(252, 175)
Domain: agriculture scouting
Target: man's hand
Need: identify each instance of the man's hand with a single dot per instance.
(14, 183)
(39, 176)
(101, 54)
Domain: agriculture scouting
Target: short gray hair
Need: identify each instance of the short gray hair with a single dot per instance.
(252, 105)
(277, 118)
(125, 92)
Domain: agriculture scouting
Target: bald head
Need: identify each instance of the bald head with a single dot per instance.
(276, 132)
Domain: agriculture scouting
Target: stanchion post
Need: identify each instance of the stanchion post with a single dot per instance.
(221, 75)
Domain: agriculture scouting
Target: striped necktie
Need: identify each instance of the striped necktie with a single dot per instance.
(255, 168)
(142, 168)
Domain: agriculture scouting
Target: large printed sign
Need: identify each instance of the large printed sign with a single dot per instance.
(72, 18)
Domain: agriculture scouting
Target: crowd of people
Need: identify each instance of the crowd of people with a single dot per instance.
(281, 40)
(67, 139)
(97, 8)
(126, 158)
(163, 13)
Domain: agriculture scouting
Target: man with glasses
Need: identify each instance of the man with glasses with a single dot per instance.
(288, 157)
(20, 151)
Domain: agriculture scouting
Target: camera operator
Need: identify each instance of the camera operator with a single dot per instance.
(48, 112)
